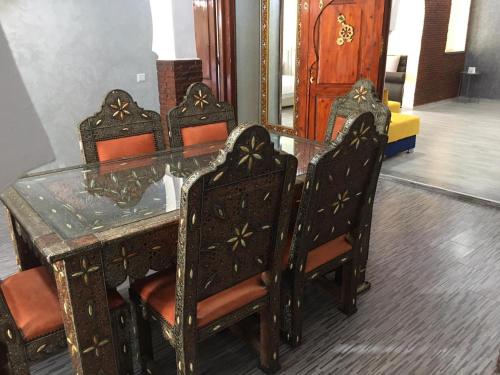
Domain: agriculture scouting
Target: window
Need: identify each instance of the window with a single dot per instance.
(457, 28)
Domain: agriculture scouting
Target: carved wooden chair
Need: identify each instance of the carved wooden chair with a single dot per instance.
(200, 118)
(332, 217)
(31, 323)
(121, 129)
(233, 223)
(362, 98)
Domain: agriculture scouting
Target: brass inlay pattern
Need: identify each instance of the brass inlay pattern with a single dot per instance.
(250, 153)
(241, 234)
(124, 257)
(346, 33)
(201, 99)
(85, 270)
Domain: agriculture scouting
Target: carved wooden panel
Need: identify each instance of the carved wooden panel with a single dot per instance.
(341, 42)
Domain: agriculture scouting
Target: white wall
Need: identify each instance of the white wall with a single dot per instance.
(405, 39)
(248, 60)
(183, 19)
(72, 52)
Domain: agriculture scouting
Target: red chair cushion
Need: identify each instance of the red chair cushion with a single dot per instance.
(337, 126)
(158, 291)
(322, 254)
(32, 299)
(194, 135)
(126, 147)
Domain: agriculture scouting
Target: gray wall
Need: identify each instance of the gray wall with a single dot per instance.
(483, 47)
(72, 52)
(248, 60)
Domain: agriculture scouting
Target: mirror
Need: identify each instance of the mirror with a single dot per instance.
(278, 64)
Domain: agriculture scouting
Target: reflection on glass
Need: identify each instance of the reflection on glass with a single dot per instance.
(92, 198)
(282, 58)
(289, 53)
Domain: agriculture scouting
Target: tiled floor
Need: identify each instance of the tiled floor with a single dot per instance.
(434, 307)
(457, 148)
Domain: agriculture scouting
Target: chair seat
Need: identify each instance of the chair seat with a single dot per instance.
(32, 299)
(158, 291)
(322, 254)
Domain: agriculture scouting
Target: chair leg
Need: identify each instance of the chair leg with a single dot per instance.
(269, 338)
(294, 304)
(122, 332)
(185, 355)
(348, 289)
(145, 350)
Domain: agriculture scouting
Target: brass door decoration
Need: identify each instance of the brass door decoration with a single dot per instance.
(346, 33)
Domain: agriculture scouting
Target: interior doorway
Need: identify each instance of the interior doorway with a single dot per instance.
(214, 23)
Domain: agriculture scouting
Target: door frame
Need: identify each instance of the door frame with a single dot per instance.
(221, 15)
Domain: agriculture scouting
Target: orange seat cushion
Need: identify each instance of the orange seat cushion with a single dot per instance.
(158, 291)
(194, 135)
(337, 126)
(32, 299)
(125, 147)
(322, 254)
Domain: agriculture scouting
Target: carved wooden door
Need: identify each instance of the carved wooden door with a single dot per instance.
(341, 41)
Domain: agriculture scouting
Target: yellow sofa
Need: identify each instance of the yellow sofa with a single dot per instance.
(403, 130)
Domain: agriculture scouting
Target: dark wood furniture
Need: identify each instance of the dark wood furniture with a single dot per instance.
(95, 243)
(333, 215)
(233, 223)
(362, 98)
(200, 118)
(121, 129)
(31, 323)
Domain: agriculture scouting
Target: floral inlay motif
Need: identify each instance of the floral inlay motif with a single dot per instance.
(120, 109)
(251, 152)
(241, 235)
(359, 136)
(200, 99)
(85, 270)
(341, 200)
(124, 257)
(97, 345)
(360, 94)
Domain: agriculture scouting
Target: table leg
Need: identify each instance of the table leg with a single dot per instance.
(25, 257)
(82, 294)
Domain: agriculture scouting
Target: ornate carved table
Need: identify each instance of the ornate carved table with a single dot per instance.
(97, 224)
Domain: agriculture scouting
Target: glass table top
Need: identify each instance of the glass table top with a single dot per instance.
(89, 198)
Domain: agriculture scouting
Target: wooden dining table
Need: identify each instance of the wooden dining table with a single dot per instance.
(97, 225)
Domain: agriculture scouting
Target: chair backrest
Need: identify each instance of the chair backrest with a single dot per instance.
(200, 118)
(121, 129)
(339, 186)
(362, 98)
(234, 215)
